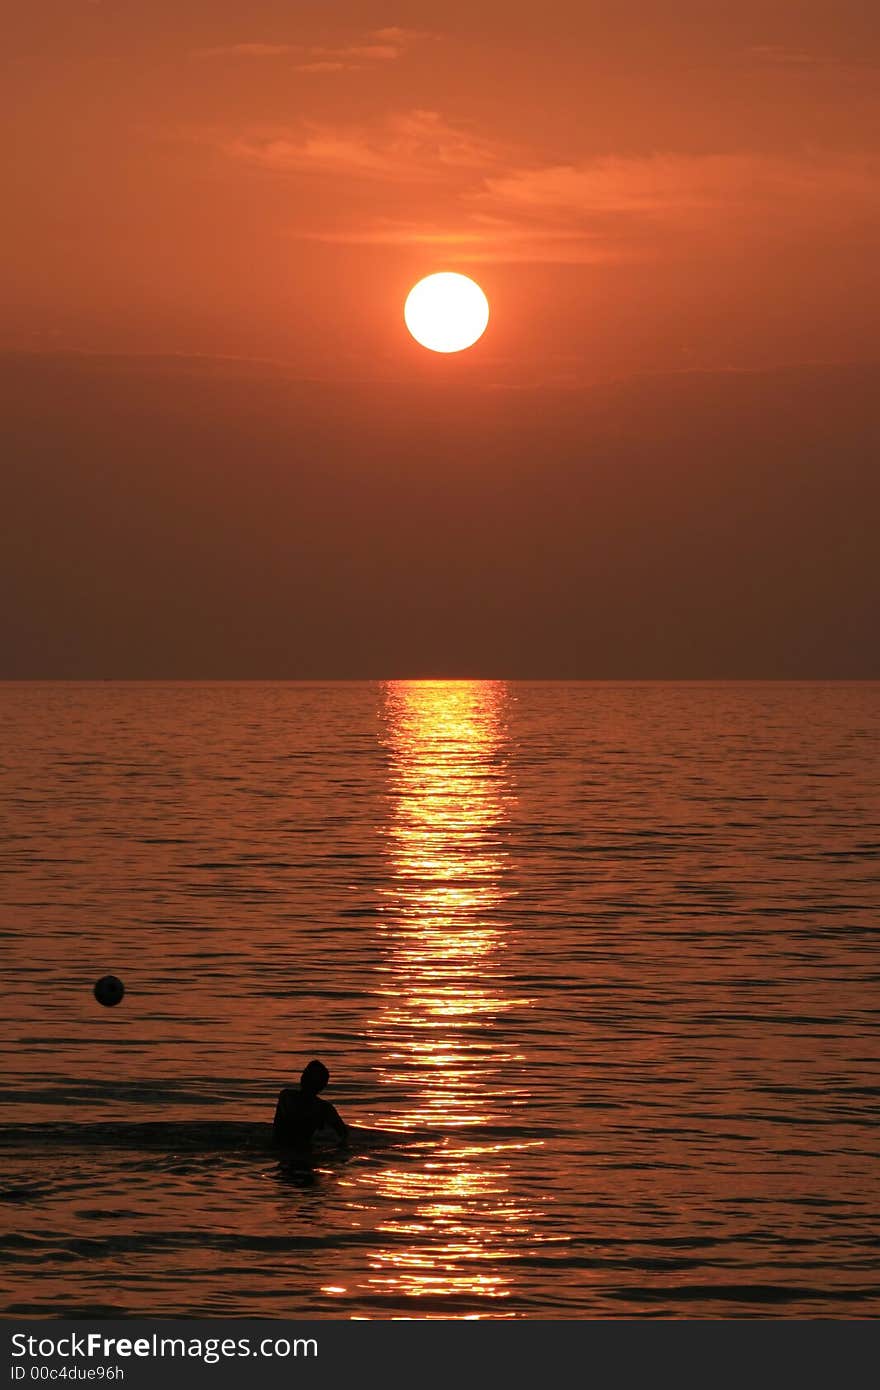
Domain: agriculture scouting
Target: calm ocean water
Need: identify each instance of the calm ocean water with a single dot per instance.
(594, 965)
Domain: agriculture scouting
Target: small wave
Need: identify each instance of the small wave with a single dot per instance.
(155, 1135)
(742, 1293)
(194, 1136)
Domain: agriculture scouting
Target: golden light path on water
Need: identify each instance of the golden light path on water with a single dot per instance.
(453, 1225)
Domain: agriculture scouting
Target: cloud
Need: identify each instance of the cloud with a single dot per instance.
(249, 50)
(672, 204)
(483, 199)
(776, 55)
(404, 146)
(324, 65)
(805, 61)
(378, 46)
(374, 47)
(476, 239)
(672, 187)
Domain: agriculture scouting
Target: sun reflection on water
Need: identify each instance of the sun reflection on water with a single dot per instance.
(454, 1085)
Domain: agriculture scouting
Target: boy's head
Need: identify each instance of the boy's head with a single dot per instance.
(314, 1078)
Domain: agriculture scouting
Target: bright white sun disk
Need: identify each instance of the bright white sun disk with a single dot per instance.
(446, 312)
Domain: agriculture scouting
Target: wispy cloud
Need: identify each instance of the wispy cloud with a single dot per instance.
(669, 187)
(808, 62)
(375, 47)
(248, 50)
(403, 146)
(777, 55)
(327, 65)
(487, 200)
(472, 238)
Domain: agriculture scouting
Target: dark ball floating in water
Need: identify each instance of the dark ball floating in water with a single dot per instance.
(109, 991)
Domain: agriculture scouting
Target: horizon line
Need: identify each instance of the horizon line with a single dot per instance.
(438, 679)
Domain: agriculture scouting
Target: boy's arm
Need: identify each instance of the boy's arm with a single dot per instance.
(280, 1113)
(336, 1123)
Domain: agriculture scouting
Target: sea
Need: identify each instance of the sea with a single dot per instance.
(593, 966)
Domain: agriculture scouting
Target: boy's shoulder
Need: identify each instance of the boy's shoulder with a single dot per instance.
(289, 1095)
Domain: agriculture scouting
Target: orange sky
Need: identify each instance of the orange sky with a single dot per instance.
(638, 186)
(680, 198)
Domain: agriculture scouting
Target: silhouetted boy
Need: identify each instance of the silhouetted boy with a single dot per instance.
(299, 1113)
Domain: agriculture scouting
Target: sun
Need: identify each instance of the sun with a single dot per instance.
(446, 312)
